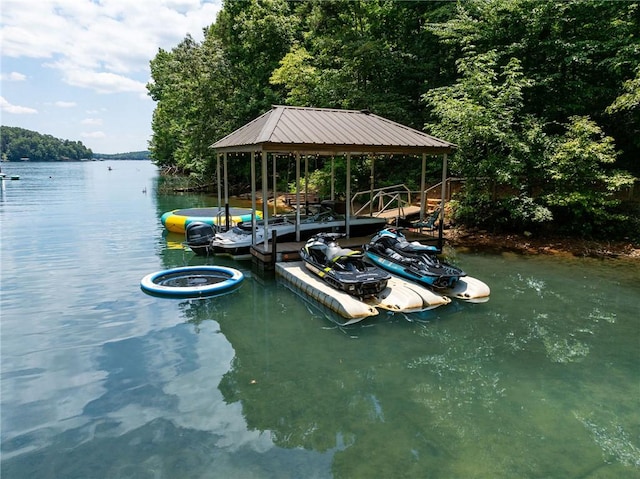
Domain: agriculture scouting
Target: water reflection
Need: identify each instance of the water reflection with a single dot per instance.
(160, 413)
(257, 383)
(542, 381)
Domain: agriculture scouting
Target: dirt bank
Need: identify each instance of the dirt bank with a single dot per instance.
(483, 240)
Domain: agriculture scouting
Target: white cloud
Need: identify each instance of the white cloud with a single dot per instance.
(92, 121)
(83, 50)
(102, 46)
(13, 76)
(102, 82)
(65, 104)
(7, 107)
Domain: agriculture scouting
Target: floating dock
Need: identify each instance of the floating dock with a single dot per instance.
(398, 296)
(469, 289)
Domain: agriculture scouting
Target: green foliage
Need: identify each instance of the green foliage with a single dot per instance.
(185, 86)
(254, 36)
(576, 54)
(535, 94)
(629, 100)
(357, 55)
(483, 114)
(206, 90)
(299, 77)
(579, 191)
(19, 143)
(132, 155)
(516, 143)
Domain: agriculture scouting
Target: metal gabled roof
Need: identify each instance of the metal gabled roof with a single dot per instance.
(286, 129)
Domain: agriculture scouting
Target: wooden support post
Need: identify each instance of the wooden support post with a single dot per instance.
(253, 198)
(423, 187)
(348, 193)
(274, 248)
(219, 184)
(442, 201)
(226, 194)
(297, 196)
(265, 205)
(275, 185)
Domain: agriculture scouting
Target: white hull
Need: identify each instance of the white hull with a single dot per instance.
(468, 289)
(237, 244)
(399, 296)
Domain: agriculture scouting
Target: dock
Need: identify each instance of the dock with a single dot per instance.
(399, 296)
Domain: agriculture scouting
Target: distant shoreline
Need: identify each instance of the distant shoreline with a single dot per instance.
(98, 158)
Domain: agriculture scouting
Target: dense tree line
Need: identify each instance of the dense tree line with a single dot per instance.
(20, 143)
(131, 155)
(542, 97)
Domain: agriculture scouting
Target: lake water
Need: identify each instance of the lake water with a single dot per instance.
(100, 380)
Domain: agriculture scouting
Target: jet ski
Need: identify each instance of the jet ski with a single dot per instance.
(343, 269)
(390, 250)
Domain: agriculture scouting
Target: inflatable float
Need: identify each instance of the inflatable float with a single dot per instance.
(177, 221)
(191, 281)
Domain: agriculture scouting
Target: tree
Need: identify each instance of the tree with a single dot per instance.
(204, 91)
(503, 79)
(498, 145)
(514, 115)
(298, 76)
(577, 55)
(579, 190)
(254, 36)
(19, 143)
(174, 87)
(374, 55)
(625, 111)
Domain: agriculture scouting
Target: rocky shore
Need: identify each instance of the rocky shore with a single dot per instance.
(480, 240)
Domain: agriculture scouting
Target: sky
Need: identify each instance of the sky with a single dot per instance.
(77, 69)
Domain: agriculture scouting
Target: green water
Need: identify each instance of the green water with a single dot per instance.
(100, 380)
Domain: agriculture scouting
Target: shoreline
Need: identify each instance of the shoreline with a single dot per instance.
(481, 240)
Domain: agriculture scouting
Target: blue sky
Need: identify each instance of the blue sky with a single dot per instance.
(77, 69)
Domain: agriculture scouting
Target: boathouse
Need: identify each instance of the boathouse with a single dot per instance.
(304, 132)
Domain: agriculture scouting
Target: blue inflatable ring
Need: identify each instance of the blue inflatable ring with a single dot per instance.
(191, 281)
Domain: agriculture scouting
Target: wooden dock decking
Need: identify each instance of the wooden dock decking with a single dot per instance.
(410, 210)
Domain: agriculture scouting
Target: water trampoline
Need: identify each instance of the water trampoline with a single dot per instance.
(192, 281)
(177, 221)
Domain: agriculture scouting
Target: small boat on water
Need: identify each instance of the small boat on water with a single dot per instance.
(237, 241)
(390, 250)
(343, 268)
(177, 221)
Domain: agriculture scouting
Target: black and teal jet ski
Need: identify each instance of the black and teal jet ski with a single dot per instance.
(390, 250)
(342, 268)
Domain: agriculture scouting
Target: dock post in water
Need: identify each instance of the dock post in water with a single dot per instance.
(274, 248)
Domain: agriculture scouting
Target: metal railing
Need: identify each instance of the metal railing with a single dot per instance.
(393, 197)
(388, 197)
